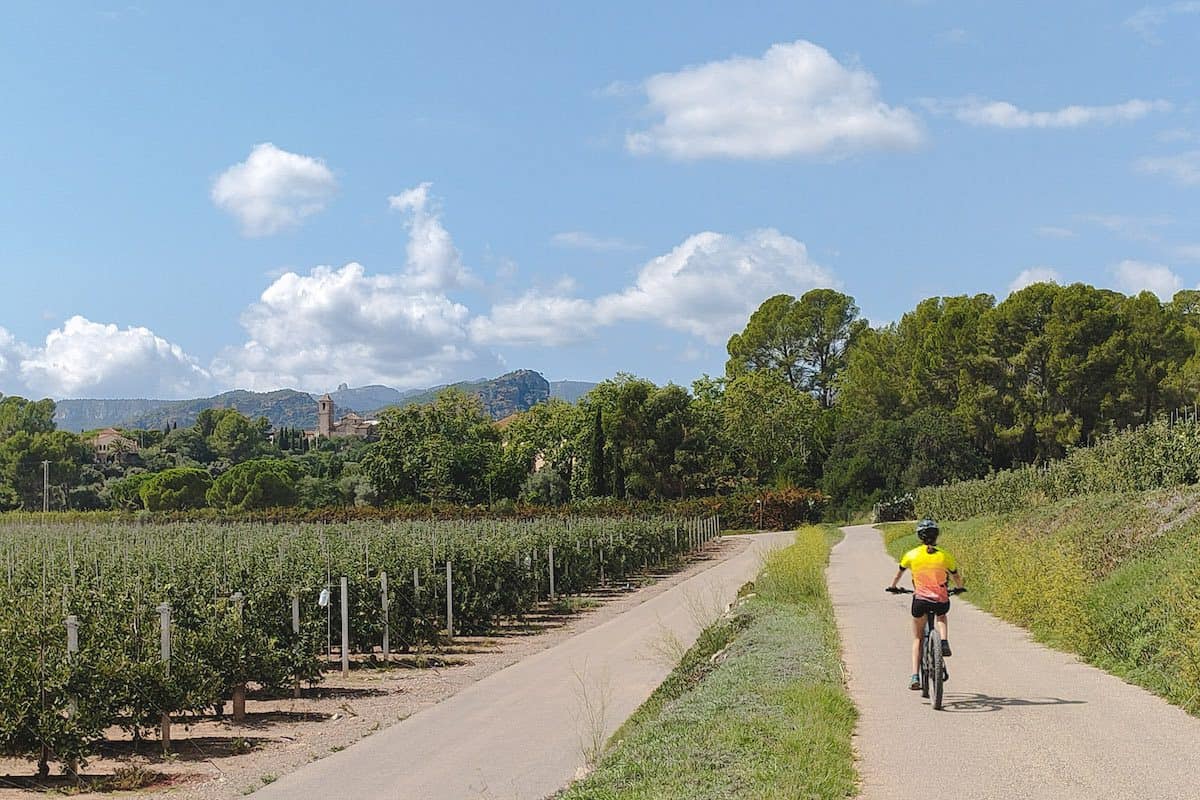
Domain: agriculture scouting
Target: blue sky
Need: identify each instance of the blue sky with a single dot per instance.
(199, 197)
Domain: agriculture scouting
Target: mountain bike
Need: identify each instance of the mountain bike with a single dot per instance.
(932, 672)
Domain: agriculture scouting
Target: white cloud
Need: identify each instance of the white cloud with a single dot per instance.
(537, 317)
(11, 354)
(706, 287)
(1183, 168)
(1138, 229)
(273, 190)
(1000, 114)
(1147, 20)
(1137, 276)
(582, 240)
(1055, 232)
(85, 358)
(1034, 275)
(434, 262)
(334, 325)
(796, 100)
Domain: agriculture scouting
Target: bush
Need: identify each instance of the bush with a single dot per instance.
(894, 510)
(175, 489)
(1153, 456)
(262, 483)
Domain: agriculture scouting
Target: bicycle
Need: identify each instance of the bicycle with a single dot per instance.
(931, 672)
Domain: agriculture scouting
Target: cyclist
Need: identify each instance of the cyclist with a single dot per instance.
(931, 567)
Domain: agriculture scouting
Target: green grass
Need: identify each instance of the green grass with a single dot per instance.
(1114, 578)
(769, 719)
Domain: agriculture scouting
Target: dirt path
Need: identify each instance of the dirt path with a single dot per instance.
(1020, 720)
(524, 731)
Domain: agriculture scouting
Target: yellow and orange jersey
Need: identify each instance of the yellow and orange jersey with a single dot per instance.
(929, 572)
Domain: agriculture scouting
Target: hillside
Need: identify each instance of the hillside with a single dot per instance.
(502, 397)
(284, 407)
(86, 415)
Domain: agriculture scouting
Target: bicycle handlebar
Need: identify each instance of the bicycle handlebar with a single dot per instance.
(902, 590)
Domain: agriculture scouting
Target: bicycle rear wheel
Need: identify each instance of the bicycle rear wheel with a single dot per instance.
(925, 666)
(937, 667)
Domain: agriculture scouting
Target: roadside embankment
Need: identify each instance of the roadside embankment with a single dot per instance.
(1114, 578)
(756, 708)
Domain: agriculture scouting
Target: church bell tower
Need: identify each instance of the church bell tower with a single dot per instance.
(325, 416)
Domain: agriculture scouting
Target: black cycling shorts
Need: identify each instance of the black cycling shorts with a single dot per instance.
(921, 607)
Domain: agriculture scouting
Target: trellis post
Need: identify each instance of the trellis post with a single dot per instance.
(164, 638)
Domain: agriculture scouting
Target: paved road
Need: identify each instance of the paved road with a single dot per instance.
(521, 733)
(1020, 720)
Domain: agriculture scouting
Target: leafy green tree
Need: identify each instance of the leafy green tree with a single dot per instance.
(314, 492)
(261, 483)
(175, 489)
(189, 444)
(21, 457)
(125, 493)
(237, 438)
(31, 416)
(443, 451)
(768, 423)
(804, 341)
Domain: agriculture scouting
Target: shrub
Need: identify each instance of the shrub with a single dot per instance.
(175, 489)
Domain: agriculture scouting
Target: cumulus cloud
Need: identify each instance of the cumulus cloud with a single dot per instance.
(706, 287)
(1138, 276)
(1034, 275)
(11, 354)
(433, 262)
(582, 240)
(1183, 168)
(1000, 114)
(335, 325)
(85, 358)
(537, 317)
(796, 100)
(273, 190)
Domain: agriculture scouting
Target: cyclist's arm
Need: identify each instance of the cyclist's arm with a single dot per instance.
(899, 575)
(958, 578)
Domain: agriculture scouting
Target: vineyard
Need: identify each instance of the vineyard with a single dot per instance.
(126, 625)
(1159, 455)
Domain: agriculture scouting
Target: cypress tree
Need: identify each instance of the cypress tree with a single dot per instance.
(599, 476)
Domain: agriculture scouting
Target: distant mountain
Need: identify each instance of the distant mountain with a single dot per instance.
(570, 391)
(370, 398)
(502, 397)
(86, 415)
(284, 407)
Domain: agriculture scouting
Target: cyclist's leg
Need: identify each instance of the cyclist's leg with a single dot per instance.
(943, 627)
(918, 629)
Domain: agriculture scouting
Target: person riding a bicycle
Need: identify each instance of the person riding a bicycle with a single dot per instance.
(931, 568)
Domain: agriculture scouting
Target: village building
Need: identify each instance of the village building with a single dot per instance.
(351, 425)
(112, 445)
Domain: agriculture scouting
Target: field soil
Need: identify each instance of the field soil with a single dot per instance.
(1019, 719)
(216, 758)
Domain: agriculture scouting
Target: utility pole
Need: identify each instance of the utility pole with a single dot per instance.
(45, 486)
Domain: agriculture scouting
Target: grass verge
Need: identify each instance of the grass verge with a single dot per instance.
(1113, 578)
(757, 708)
